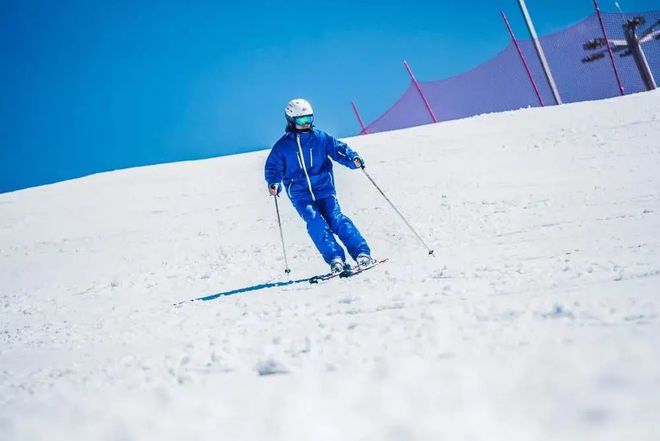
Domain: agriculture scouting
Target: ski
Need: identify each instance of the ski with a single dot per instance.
(354, 271)
(348, 272)
(324, 277)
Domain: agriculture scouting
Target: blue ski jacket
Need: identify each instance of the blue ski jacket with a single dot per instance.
(302, 161)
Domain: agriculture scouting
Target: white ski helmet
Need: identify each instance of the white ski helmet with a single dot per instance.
(296, 108)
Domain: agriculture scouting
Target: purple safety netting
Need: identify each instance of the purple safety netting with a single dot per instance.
(501, 83)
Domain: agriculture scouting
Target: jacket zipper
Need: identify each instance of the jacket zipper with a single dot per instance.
(302, 161)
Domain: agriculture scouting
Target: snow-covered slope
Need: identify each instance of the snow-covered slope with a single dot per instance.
(538, 320)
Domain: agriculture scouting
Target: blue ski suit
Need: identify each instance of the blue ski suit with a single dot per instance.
(301, 160)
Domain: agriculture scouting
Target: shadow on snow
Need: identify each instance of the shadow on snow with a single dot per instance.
(247, 289)
(314, 279)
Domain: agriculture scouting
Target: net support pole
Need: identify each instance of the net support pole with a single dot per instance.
(363, 130)
(524, 61)
(539, 52)
(419, 89)
(609, 48)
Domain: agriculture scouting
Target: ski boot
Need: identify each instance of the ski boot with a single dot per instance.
(337, 265)
(364, 260)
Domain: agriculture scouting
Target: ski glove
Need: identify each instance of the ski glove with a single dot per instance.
(274, 189)
(359, 162)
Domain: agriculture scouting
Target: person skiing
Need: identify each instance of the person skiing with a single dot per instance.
(300, 160)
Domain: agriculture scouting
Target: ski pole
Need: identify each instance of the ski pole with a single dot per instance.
(279, 223)
(398, 212)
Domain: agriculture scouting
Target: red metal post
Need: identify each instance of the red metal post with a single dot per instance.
(419, 89)
(524, 61)
(359, 118)
(609, 49)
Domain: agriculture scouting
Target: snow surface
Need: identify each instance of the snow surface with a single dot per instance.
(538, 320)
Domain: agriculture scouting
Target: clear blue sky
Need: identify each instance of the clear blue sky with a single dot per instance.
(90, 86)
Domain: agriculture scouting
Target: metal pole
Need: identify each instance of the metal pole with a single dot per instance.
(609, 49)
(522, 57)
(359, 118)
(635, 47)
(539, 52)
(419, 89)
(279, 222)
(399, 213)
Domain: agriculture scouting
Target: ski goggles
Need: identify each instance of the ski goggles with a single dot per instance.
(303, 120)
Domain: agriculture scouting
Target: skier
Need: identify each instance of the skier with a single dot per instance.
(301, 160)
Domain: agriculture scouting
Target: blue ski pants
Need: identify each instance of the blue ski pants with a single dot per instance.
(324, 219)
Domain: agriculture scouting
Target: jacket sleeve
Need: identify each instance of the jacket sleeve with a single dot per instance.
(274, 170)
(340, 151)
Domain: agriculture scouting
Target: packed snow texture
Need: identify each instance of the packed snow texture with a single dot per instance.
(537, 320)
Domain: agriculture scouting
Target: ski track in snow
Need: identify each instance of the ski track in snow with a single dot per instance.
(538, 320)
